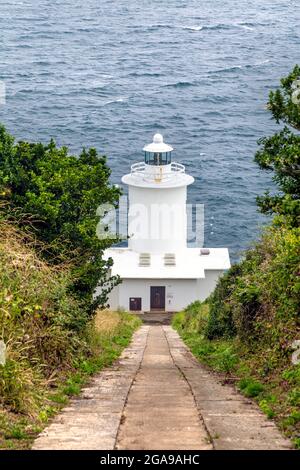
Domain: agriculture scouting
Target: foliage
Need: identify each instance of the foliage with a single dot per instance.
(249, 323)
(247, 327)
(191, 323)
(220, 321)
(281, 102)
(267, 408)
(57, 194)
(250, 388)
(254, 297)
(281, 153)
(262, 369)
(52, 347)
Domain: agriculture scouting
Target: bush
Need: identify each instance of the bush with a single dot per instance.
(220, 320)
(51, 350)
(58, 194)
(39, 320)
(266, 407)
(250, 388)
(259, 298)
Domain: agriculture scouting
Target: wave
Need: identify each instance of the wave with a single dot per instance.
(239, 67)
(212, 27)
(144, 74)
(193, 28)
(218, 27)
(116, 100)
(244, 26)
(152, 27)
(179, 85)
(226, 69)
(196, 28)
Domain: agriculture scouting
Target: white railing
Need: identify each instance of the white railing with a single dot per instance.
(157, 173)
(138, 168)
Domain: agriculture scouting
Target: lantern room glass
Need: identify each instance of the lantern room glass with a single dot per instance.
(157, 158)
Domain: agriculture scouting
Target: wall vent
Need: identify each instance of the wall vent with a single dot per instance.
(170, 259)
(145, 259)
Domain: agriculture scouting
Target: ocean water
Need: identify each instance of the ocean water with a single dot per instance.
(110, 74)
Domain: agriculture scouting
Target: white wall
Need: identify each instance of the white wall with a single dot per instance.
(206, 286)
(179, 292)
(157, 219)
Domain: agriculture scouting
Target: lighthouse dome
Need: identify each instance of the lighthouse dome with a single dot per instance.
(158, 139)
(158, 145)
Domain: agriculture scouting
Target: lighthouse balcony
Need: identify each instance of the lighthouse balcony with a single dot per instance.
(159, 173)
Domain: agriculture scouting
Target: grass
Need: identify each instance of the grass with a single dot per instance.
(250, 388)
(257, 372)
(107, 336)
(52, 347)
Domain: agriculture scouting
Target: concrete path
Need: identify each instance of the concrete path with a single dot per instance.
(161, 412)
(157, 396)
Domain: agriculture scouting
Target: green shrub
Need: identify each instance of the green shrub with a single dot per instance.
(252, 317)
(297, 442)
(60, 194)
(45, 329)
(266, 407)
(259, 297)
(20, 385)
(294, 397)
(293, 418)
(250, 387)
(220, 320)
(292, 375)
(226, 360)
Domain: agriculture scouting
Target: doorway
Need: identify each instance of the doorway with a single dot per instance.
(157, 297)
(135, 304)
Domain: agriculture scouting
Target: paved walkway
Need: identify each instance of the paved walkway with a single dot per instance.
(157, 396)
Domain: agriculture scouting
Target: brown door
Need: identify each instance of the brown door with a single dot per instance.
(135, 304)
(157, 297)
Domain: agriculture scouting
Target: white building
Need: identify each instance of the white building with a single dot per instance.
(159, 272)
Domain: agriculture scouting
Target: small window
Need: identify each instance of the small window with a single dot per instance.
(135, 304)
(157, 158)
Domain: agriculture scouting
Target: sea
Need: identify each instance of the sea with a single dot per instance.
(111, 73)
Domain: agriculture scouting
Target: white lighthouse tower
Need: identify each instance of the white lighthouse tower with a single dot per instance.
(159, 271)
(157, 190)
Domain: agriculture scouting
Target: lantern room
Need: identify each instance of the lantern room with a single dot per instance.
(158, 153)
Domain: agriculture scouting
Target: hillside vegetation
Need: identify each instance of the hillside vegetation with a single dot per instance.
(51, 260)
(48, 357)
(62, 198)
(249, 328)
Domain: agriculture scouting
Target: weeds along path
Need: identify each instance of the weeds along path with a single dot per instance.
(158, 396)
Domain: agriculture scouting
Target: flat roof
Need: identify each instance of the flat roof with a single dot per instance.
(189, 264)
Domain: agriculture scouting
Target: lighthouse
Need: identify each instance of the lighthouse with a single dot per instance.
(159, 271)
(157, 193)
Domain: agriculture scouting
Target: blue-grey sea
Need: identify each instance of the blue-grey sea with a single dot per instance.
(111, 73)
